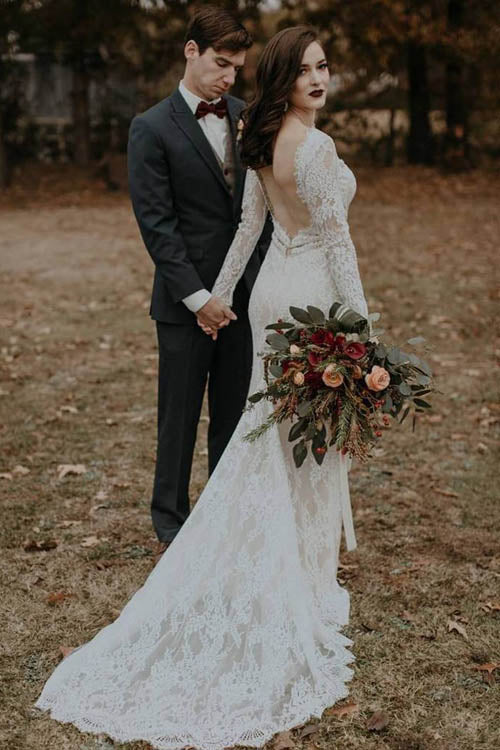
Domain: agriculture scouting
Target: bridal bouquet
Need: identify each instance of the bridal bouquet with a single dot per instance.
(337, 383)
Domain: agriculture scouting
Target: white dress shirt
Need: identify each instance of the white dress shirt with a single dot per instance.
(216, 130)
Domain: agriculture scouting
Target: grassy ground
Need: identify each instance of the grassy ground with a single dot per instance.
(77, 387)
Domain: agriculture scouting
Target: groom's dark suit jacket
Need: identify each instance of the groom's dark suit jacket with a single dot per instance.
(186, 214)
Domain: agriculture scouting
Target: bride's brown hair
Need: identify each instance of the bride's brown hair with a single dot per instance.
(277, 71)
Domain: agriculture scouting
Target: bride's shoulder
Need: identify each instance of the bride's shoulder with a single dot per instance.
(320, 138)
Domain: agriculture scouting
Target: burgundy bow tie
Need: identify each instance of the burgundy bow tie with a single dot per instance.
(204, 108)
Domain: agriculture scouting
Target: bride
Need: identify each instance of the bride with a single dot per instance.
(236, 633)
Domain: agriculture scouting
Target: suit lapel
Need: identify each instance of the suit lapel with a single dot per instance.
(190, 127)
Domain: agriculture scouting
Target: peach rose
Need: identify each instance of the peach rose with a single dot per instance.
(298, 378)
(377, 379)
(294, 349)
(331, 377)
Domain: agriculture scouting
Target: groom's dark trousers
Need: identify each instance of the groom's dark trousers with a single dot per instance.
(188, 215)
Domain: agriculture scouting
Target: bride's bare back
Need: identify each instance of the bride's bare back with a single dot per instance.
(280, 180)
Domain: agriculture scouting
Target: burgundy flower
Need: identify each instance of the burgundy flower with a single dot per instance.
(314, 358)
(355, 349)
(339, 341)
(318, 337)
(313, 379)
(330, 339)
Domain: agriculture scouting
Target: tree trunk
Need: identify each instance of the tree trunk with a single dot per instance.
(420, 146)
(4, 167)
(456, 141)
(389, 150)
(81, 114)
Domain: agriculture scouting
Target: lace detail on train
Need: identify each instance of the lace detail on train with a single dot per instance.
(236, 633)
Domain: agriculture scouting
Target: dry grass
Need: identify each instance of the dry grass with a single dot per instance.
(77, 386)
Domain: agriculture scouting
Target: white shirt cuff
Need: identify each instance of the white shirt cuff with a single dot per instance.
(195, 301)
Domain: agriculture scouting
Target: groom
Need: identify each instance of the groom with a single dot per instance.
(186, 183)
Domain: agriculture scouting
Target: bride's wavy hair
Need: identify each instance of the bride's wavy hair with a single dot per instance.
(277, 71)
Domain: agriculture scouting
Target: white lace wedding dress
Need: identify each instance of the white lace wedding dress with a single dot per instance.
(235, 634)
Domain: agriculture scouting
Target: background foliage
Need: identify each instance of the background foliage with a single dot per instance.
(413, 77)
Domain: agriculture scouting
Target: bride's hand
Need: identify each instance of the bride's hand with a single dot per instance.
(207, 329)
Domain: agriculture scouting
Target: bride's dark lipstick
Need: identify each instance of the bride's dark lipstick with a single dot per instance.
(317, 92)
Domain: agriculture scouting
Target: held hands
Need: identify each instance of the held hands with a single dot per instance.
(215, 314)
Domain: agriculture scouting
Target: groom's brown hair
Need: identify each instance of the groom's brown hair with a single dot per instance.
(216, 27)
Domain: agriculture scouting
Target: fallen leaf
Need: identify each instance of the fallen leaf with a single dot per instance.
(283, 741)
(101, 495)
(377, 721)
(446, 493)
(69, 409)
(66, 650)
(121, 485)
(6, 475)
(21, 470)
(490, 667)
(347, 709)
(32, 545)
(68, 524)
(308, 730)
(454, 625)
(91, 541)
(64, 469)
(95, 508)
(491, 606)
(56, 597)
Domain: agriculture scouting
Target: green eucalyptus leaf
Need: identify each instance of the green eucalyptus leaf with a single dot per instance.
(299, 453)
(301, 315)
(317, 315)
(423, 392)
(405, 414)
(255, 397)
(422, 379)
(423, 366)
(422, 403)
(416, 341)
(310, 431)
(380, 351)
(394, 355)
(279, 326)
(276, 370)
(404, 389)
(304, 408)
(278, 341)
(297, 429)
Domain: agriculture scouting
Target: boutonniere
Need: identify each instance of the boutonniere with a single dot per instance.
(239, 130)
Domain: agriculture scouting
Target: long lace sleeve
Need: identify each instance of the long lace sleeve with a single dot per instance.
(253, 217)
(319, 186)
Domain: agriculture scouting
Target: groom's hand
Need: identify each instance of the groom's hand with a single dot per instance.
(215, 314)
